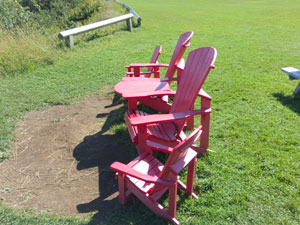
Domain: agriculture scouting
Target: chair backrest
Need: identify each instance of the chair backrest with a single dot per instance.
(154, 58)
(182, 44)
(198, 65)
(177, 159)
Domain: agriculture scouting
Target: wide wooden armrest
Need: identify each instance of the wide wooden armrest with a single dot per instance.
(148, 79)
(183, 162)
(203, 94)
(157, 118)
(168, 79)
(122, 168)
(147, 65)
(129, 66)
(148, 94)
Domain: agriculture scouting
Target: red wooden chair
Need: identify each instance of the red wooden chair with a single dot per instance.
(150, 70)
(148, 179)
(176, 63)
(149, 131)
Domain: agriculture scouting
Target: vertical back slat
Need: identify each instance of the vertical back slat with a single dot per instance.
(154, 58)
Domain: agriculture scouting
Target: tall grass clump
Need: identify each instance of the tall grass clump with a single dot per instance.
(23, 52)
(29, 28)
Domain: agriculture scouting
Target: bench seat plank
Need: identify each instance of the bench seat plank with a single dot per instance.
(294, 74)
(82, 29)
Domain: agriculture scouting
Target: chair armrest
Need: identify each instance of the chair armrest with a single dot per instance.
(203, 94)
(157, 118)
(147, 65)
(168, 79)
(122, 168)
(147, 79)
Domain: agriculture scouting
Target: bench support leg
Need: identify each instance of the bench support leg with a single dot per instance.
(129, 24)
(297, 90)
(70, 41)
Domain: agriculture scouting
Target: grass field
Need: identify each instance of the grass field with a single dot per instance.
(255, 177)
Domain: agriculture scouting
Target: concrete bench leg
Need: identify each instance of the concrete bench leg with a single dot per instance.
(129, 24)
(70, 41)
(297, 90)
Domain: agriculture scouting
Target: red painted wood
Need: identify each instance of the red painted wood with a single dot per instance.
(131, 88)
(198, 65)
(150, 70)
(147, 65)
(176, 60)
(176, 64)
(184, 161)
(158, 118)
(156, 103)
(144, 79)
(158, 146)
(154, 58)
(122, 188)
(147, 178)
(169, 127)
(190, 177)
(183, 187)
(205, 122)
(182, 44)
(172, 200)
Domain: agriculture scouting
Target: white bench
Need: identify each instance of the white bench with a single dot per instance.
(68, 35)
(294, 74)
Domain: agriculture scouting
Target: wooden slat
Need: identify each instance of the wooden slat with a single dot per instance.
(160, 118)
(159, 147)
(150, 166)
(154, 58)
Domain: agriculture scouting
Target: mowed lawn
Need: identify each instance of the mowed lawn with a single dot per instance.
(255, 127)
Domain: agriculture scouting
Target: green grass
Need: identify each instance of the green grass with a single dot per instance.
(255, 177)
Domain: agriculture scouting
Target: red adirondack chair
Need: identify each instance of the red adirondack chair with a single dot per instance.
(160, 103)
(176, 63)
(150, 70)
(152, 130)
(148, 179)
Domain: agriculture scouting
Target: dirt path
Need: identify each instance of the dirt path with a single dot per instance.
(62, 157)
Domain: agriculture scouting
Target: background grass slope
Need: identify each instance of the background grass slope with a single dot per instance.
(254, 178)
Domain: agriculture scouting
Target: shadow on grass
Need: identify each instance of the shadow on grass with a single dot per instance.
(293, 102)
(101, 150)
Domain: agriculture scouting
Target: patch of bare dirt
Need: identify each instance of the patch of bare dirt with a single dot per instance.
(62, 158)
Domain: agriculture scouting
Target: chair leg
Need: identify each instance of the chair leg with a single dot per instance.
(142, 137)
(132, 105)
(190, 122)
(172, 200)
(122, 188)
(205, 120)
(190, 177)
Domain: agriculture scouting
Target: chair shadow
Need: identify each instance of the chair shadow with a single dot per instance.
(293, 102)
(101, 150)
